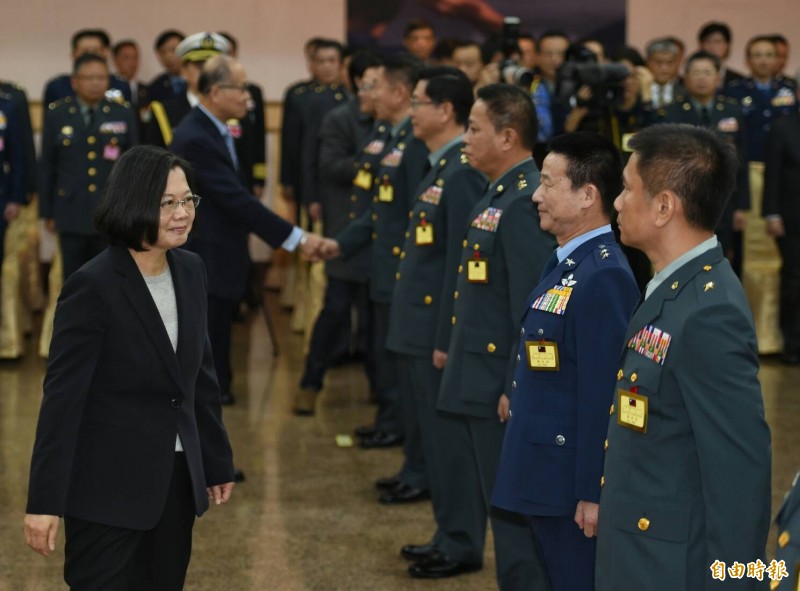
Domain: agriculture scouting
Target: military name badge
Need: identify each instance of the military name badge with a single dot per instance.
(632, 410)
(488, 219)
(728, 125)
(393, 158)
(374, 147)
(542, 355)
(651, 342)
(625, 143)
(432, 195)
(363, 180)
(478, 270)
(386, 191)
(113, 127)
(111, 152)
(424, 234)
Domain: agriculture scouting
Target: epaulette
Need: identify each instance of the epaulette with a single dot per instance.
(602, 252)
(705, 280)
(58, 103)
(300, 89)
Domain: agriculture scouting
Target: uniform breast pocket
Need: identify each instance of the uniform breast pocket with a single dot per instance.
(485, 362)
(544, 348)
(551, 448)
(639, 399)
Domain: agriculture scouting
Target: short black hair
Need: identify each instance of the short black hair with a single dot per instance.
(165, 36)
(491, 47)
(444, 49)
(703, 55)
(329, 44)
(508, 106)
(713, 28)
(549, 34)
(626, 52)
(695, 163)
(758, 39)
(87, 58)
(449, 85)
(402, 69)
(130, 208)
(83, 33)
(359, 62)
(591, 159)
(119, 45)
(417, 24)
(231, 40)
(216, 70)
(778, 38)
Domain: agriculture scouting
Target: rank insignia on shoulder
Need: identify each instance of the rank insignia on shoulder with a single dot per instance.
(651, 342)
(521, 184)
(708, 286)
(604, 254)
(463, 158)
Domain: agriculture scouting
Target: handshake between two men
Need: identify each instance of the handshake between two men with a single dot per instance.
(317, 248)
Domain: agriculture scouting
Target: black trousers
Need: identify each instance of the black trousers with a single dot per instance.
(105, 558)
(220, 326)
(388, 385)
(79, 249)
(790, 293)
(333, 321)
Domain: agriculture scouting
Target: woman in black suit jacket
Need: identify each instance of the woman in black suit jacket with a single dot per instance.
(130, 442)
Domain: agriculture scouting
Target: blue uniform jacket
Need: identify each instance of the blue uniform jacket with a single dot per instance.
(12, 156)
(552, 453)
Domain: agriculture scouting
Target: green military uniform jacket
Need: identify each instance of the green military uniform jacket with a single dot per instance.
(788, 522)
(426, 277)
(77, 159)
(687, 470)
(383, 223)
(507, 251)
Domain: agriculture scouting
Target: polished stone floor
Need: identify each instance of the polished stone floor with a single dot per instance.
(307, 517)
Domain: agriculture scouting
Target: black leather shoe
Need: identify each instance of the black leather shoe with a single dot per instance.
(304, 402)
(440, 566)
(403, 493)
(417, 552)
(238, 475)
(365, 431)
(389, 483)
(227, 398)
(381, 439)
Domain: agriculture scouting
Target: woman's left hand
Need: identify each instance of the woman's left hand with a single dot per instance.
(220, 493)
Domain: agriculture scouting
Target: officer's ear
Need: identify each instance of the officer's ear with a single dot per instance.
(590, 195)
(665, 206)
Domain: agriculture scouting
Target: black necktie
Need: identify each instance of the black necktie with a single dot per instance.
(705, 120)
(90, 117)
(551, 264)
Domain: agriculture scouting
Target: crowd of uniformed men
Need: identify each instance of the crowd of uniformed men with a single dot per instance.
(440, 237)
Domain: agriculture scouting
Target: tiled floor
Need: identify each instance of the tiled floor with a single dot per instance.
(307, 517)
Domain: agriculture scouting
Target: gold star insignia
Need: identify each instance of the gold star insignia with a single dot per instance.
(675, 285)
(522, 184)
(708, 286)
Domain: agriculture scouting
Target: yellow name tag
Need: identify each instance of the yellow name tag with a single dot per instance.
(424, 235)
(363, 180)
(478, 271)
(386, 193)
(632, 410)
(626, 139)
(542, 355)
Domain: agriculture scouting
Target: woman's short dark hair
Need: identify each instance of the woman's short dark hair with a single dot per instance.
(130, 208)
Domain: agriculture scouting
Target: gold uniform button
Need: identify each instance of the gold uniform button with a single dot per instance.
(92, 171)
(453, 320)
(634, 377)
(707, 268)
(92, 188)
(476, 246)
(62, 193)
(374, 199)
(352, 215)
(67, 142)
(602, 481)
(464, 244)
(620, 375)
(499, 188)
(611, 410)
(91, 155)
(374, 235)
(491, 348)
(605, 445)
(428, 300)
(408, 234)
(91, 140)
(395, 250)
(461, 268)
(644, 524)
(783, 539)
(675, 285)
(402, 254)
(397, 276)
(374, 217)
(422, 215)
(410, 215)
(455, 295)
(353, 198)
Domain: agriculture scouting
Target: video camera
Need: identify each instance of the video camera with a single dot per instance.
(605, 81)
(510, 69)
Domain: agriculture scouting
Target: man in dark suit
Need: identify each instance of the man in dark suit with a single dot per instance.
(686, 484)
(781, 208)
(715, 38)
(126, 63)
(422, 302)
(567, 359)
(230, 209)
(788, 552)
(350, 146)
(169, 83)
(702, 106)
(503, 253)
(82, 138)
(664, 61)
(97, 42)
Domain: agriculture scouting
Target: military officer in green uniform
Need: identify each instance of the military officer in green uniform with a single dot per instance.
(686, 485)
(422, 304)
(81, 140)
(503, 253)
(788, 522)
(382, 225)
(701, 106)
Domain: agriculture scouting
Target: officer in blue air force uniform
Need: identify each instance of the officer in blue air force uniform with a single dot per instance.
(12, 165)
(566, 361)
(788, 522)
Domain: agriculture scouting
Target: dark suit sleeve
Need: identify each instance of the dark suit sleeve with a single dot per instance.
(260, 140)
(78, 335)
(222, 185)
(732, 439)
(214, 443)
(464, 190)
(47, 167)
(613, 292)
(773, 154)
